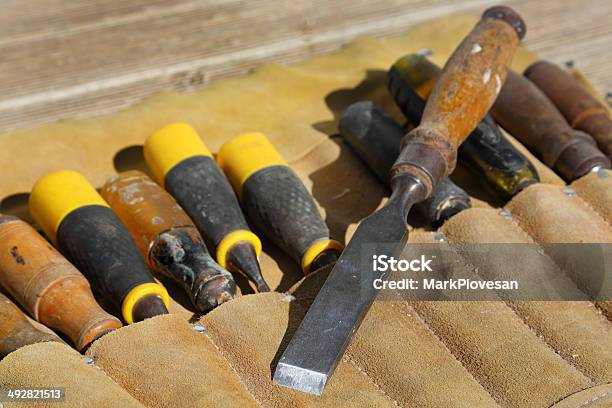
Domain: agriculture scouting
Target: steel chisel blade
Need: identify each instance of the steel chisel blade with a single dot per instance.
(337, 311)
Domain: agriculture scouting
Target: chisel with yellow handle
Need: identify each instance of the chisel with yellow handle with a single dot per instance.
(169, 242)
(84, 228)
(16, 331)
(49, 287)
(276, 201)
(183, 165)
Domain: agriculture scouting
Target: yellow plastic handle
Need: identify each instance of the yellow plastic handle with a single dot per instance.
(244, 155)
(56, 195)
(169, 146)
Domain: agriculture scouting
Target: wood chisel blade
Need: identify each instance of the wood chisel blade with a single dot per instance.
(340, 305)
(460, 99)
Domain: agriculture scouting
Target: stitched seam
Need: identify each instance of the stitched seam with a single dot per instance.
(592, 209)
(428, 328)
(592, 400)
(222, 354)
(542, 337)
(539, 335)
(532, 240)
(371, 380)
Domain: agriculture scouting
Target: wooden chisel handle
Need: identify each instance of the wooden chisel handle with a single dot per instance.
(527, 113)
(16, 331)
(47, 286)
(465, 91)
(580, 108)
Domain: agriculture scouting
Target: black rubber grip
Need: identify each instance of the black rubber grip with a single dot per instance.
(203, 191)
(485, 151)
(376, 137)
(98, 244)
(279, 205)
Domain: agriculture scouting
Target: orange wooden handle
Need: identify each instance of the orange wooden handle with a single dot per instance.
(16, 331)
(49, 287)
(464, 93)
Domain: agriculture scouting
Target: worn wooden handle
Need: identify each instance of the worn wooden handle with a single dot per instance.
(49, 287)
(524, 111)
(16, 331)
(578, 106)
(468, 86)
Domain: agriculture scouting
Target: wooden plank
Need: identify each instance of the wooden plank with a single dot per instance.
(63, 59)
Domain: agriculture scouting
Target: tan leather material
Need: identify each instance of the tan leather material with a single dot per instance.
(52, 365)
(502, 353)
(575, 330)
(596, 397)
(163, 361)
(596, 190)
(551, 216)
(253, 347)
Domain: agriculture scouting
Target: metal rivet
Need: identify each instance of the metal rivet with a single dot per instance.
(288, 298)
(569, 64)
(425, 52)
(505, 213)
(198, 328)
(570, 192)
(89, 361)
(439, 236)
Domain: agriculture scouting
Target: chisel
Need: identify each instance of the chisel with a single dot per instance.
(184, 166)
(49, 287)
(578, 106)
(276, 202)
(460, 99)
(376, 137)
(169, 242)
(16, 331)
(526, 113)
(486, 152)
(84, 228)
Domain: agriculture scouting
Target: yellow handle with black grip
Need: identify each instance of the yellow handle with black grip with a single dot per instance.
(276, 201)
(82, 225)
(181, 162)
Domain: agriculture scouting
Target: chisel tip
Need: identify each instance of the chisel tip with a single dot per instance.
(300, 379)
(242, 257)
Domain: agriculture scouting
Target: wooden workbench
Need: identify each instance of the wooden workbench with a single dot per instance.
(64, 58)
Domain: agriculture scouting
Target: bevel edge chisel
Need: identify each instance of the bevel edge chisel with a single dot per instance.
(68, 208)
(461, 97)
(169, 242)
(185, 167)
(276, 201)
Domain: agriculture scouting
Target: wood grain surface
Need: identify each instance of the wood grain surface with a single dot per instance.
(65, 58)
